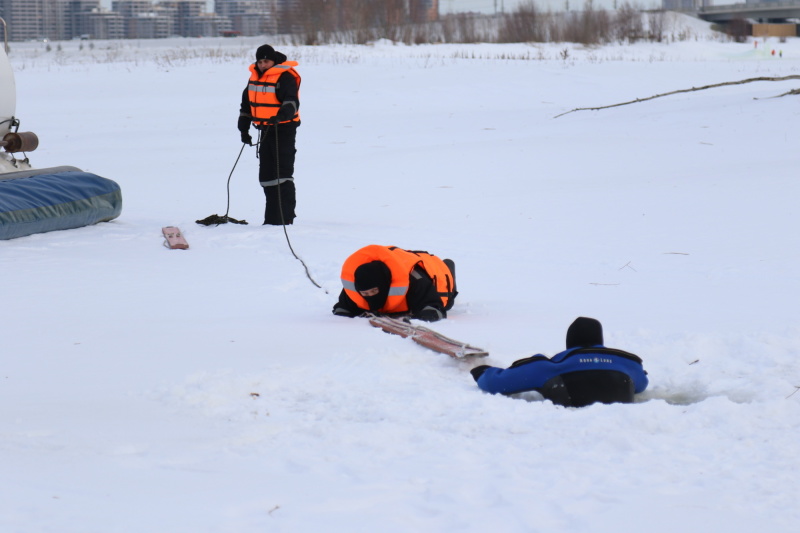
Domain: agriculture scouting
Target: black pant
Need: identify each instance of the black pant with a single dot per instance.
(585, 387)
(276, 172)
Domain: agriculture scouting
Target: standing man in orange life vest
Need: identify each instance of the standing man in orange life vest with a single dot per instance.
(271, 102)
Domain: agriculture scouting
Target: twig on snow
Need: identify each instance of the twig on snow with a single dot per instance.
(740, 82)
(792, 92)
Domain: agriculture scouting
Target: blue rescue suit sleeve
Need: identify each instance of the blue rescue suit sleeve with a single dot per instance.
(521, 378)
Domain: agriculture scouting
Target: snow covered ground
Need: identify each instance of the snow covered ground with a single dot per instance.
(211, 390)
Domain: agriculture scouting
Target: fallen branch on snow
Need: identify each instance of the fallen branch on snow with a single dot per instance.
(793, 91)
(749, 80)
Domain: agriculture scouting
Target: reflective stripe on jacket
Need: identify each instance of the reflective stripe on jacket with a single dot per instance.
(264, 104)
(401, 263)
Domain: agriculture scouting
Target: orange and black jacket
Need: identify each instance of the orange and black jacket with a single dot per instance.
(419, 280)
(266, 92)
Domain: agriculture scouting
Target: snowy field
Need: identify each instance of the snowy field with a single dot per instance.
(212, 390)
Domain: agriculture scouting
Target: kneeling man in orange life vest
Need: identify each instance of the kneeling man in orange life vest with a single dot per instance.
(387, 280)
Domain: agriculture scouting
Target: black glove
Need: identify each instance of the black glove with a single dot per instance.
(430, 314)
(341, 311)
(478, 371)
(246, 138)
(286, 112)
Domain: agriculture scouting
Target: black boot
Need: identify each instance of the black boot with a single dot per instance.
(280, 204)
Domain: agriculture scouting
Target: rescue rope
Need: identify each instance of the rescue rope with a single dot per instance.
(216, 219)
(280, 210)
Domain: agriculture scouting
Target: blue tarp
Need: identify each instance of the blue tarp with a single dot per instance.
(55, 199)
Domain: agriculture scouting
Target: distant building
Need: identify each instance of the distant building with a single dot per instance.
(101, 25)
(72, 18)
(140, 20)
(149, 19)
(424, 10)
(685, 5)
(58, 20)
(249, 17)
(183, 13)
(131, 8)
(145, 19)
(149, 26)
(29, 19)
(206, 25)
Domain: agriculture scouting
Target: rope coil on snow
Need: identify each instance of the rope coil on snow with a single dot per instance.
(224, 219)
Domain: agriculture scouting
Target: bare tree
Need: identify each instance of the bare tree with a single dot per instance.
(360, 21)
(523, 24)
(739, 30)
(628, 24)
(655, 22)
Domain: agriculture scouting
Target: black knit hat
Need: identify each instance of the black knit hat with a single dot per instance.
(584, 332)
(265, 51)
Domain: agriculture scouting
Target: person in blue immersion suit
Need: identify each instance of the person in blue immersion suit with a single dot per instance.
(585, 373)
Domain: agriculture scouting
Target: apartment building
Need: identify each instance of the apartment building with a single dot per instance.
(148, 19)
(249, 17)
(29, 19)
(59, 20)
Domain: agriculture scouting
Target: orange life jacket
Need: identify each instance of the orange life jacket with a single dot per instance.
(401, 263)
(264, 104)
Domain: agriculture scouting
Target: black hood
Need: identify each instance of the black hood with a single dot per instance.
(584, 332)
(374, 275)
